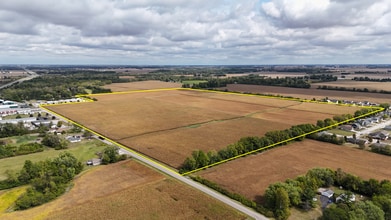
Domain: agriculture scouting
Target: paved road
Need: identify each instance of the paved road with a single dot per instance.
(196, 185)
(373, 128)
(236, 205)
(32, 75)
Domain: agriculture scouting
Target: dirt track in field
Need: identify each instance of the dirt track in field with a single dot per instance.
(251, 175)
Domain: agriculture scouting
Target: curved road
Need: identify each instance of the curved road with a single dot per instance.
(32, 75)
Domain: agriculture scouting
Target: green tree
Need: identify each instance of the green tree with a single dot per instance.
(335, 213)
(54, 141)
(281, 211)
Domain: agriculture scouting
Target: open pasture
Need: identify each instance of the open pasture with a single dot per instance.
(169, 125)
(292, 160)
(128, 190)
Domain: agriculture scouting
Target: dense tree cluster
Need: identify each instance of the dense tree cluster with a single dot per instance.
(54, 141)
(322, 77)
(9, 130)
(110, 155)
(62, 85)
(296, 82)
(48, 179)
(11, 150)
(301, 190)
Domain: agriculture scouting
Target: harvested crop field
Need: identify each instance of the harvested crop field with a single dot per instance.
(128, 190)
(292, 160)
(141, 85)
(357, 84)
(169, 125)
(311, 93)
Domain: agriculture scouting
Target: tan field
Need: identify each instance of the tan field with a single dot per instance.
(386, 86)
(170, 125)
(128, 190)
(311, 93)
(251, 175)
(142, 85)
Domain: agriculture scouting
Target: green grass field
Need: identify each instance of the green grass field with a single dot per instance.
(83, 151)
(8, 197)
(341, 132)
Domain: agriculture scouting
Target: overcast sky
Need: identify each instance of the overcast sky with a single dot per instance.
(196, 32)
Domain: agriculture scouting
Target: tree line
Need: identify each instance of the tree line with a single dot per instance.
(295, 82)
(341, 88)
(62, 85)
(200, 159)
(7, 150)
(299, 193)
(366, 78)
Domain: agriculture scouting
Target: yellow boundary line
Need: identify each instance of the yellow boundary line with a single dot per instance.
(379, 109)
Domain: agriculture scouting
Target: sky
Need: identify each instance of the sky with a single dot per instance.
(195, 32)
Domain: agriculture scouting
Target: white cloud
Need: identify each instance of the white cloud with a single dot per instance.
(195, 32)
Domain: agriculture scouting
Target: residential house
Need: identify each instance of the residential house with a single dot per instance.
(381, 135)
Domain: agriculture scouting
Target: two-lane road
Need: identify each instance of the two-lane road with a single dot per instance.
(238, 206)
(32, 75)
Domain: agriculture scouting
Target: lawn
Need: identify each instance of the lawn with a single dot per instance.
(83, 151)
(341, 132)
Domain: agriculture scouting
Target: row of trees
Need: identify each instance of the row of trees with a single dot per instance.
(296, 82)
(12, 150)
(341, 88)
(366, 78)
(200, 159)
(279, 197)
